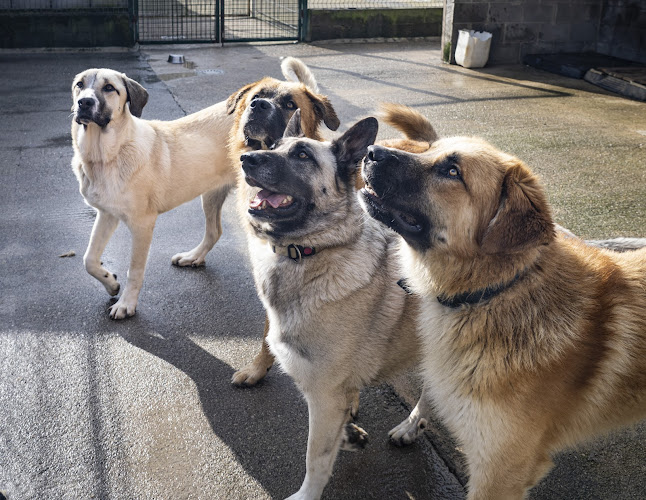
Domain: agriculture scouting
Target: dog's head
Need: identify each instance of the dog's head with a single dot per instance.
(463, 197)
(265, 107)
(303, 187)
(100, 95)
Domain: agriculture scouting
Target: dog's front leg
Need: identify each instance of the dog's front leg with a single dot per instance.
(411, 428)
(142, 234)
(328, 415)
(212, 202)
(255, 371)
(102, 231)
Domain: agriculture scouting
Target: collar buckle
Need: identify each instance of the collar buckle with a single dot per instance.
(295, 252)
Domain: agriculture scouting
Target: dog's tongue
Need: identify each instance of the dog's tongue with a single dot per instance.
(274, 199)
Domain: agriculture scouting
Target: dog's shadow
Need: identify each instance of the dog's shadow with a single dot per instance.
(255, 423)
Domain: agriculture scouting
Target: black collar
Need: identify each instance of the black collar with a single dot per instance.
(478, 296)
(294, 252)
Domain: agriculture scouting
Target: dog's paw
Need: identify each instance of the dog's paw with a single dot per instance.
(123, 308)
(355, 438)
(110, 283)
(192, 258)
(408, 431)
(250, 375)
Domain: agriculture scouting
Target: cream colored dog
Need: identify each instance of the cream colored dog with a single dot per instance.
(132, 170)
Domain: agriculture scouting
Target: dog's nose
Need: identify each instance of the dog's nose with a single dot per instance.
(260, 103)
(86, 102)
(249, 159)
(377, 153)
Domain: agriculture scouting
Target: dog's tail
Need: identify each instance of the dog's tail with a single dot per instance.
(296, 70)
(619, 244)
(411, 123)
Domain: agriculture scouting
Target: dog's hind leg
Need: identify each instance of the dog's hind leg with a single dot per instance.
(411, 428)
(328, 415)
(103, 229)
(142, 235)
(212, 202)
(255, 371)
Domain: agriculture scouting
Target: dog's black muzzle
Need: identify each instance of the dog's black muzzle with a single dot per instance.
(381, 169)
(265, 123)
(87, 110)
(261, 168)
(393, 185)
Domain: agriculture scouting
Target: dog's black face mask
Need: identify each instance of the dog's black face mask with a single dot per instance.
(393, 192)
(266, 118)
(92, 108)
(99, 96)
(304, 184)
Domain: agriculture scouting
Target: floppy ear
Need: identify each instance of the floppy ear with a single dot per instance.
(324, 111)
(234, 99)
(523, 218)
(293, 128)
(351, 147)
(137, 96)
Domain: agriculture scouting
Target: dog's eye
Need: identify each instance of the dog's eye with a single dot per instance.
(303, 155)
(108, 88)
(79, 84)
(291, 105)
(454, 172)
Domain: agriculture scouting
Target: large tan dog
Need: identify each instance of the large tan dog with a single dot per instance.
(533, 340)
(132, 170)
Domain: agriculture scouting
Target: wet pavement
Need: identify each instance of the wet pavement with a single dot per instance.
(143, 408)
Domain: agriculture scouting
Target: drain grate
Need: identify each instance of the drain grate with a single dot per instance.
(211, 71)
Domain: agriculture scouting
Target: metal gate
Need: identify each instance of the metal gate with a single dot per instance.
(190, 21)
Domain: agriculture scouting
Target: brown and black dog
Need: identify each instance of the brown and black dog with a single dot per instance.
(533, 340)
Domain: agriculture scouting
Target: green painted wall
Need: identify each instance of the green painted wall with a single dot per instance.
(373, 23)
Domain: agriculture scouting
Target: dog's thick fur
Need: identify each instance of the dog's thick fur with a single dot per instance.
(132, 170)
(262, 111)
(338, 320)
(555, 349)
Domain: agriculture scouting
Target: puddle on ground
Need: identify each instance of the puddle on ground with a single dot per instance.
(174, 76)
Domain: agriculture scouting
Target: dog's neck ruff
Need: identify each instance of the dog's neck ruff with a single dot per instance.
(294, 252)
(477, 297)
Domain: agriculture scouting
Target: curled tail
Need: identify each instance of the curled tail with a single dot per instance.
(296, 70)
(411, 123)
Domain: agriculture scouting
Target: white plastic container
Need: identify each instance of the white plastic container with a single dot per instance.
(472, 49)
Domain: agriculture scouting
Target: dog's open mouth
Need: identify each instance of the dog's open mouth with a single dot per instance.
(268, 203)
(394, 218)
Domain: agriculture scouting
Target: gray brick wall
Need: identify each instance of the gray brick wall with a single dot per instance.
(623, 29)
(520, 27)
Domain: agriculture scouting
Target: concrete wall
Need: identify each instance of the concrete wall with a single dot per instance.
(623, 29)
(522, 27)
(83, 29)
(371, 23)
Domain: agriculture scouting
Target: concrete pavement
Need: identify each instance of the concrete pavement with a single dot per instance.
(143, 409)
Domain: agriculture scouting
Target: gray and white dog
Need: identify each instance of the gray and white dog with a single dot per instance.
(328, 280)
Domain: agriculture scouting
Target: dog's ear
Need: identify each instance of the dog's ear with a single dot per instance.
(235, 98)
(324, 111)
(137, 96)
(294, 128)
(523, 217)
(351, 147)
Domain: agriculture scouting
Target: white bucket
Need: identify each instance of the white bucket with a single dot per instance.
(472, 50)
